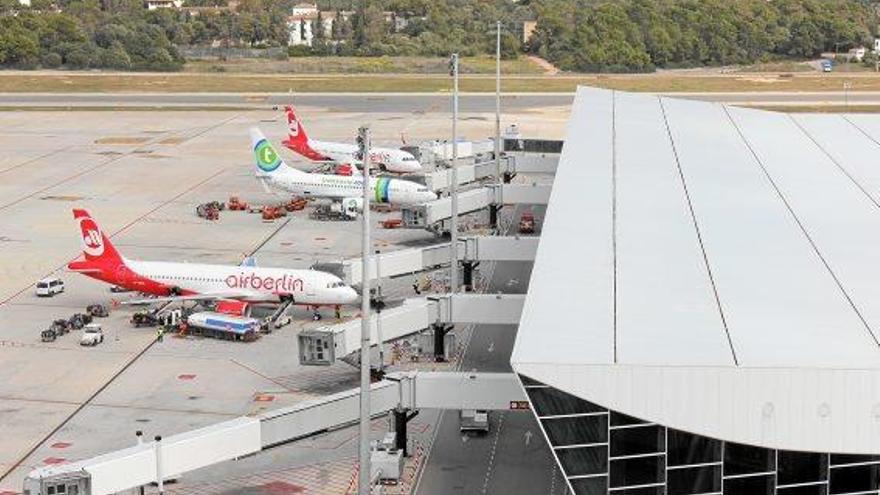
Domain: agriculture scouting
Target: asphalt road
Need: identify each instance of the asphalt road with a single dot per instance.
(394, 102)
(513, 458)
(344, 102)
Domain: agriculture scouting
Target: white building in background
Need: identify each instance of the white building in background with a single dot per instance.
(703, 315)
(858, 53)
(163, 4)
(302, 24)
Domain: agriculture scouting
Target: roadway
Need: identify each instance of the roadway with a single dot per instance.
(396, 102)
(513, 457)
(336, 102)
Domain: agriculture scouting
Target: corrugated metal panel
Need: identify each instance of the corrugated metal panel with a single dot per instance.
(662, 280)
(844, 227)
(780, 303)
(568, 312)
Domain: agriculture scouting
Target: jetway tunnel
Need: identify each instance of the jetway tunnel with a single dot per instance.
(173, 456)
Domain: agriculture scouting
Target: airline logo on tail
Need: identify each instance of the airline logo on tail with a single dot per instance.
(95, 245)
(91, 237)
(293, 125)
(267, 158)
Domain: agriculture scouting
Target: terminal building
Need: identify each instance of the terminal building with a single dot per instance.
(704, 310)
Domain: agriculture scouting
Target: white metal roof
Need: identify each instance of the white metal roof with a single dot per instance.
(715, 269)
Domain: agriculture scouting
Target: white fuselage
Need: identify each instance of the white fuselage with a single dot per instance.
(393, 160)
(249, 283)
(382, 189)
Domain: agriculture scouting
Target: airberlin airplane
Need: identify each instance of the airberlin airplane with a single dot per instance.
(390, 159)
(200, 282)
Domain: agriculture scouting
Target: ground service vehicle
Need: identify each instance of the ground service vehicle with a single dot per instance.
(474, 420)
(97, 311)
(50, 286)
(527, 223)
(827, 66)
(92, 335)
(144, 319)
(79, 320)
(236, 204)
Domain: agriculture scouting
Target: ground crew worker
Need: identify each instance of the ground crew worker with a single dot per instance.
(338, 312)
(160, 334)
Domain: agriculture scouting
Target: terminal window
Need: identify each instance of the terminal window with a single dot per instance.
(605, 452)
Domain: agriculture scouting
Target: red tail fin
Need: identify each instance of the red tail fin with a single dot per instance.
(296, 134)
(297, 141)
(96, 246)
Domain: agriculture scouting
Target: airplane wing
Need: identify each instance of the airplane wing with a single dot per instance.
(215, 296)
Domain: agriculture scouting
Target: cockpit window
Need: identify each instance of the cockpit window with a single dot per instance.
(334, 285)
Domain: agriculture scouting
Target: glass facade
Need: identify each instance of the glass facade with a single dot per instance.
(603, 452)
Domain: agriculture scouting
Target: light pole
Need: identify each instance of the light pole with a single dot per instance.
(453, 241)
(364, 444)
(498, 101)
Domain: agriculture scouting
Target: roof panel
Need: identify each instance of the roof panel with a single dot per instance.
(570, 297)
(662, 280)
(849, 144)
(842, 223)
(780, 303)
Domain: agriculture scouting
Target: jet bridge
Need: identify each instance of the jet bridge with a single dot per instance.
(165, 459)
(433, 214)
(415, 260)
(325, 345)
(486, 168)
(520, 162)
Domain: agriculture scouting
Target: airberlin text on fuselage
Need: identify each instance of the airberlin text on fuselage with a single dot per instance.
(254, 281)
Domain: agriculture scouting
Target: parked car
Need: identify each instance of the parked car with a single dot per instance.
(92, 335)
(48, 335)
(50, 286)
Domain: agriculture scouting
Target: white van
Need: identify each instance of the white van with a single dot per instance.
(48, 287)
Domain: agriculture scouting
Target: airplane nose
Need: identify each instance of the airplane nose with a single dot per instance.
(349, 296)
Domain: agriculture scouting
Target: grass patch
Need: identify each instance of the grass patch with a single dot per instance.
(361, 65)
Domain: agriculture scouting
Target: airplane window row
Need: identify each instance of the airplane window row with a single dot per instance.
(194, 279)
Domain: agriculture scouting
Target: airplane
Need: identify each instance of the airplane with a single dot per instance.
(173, 282)
(388, 159)
(271, 169)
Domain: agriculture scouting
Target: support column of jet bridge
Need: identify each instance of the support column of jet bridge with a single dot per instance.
(326, 345)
